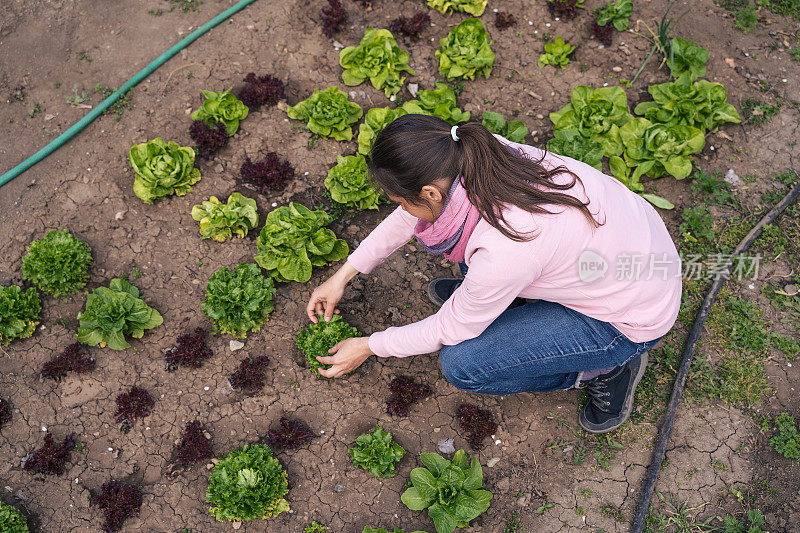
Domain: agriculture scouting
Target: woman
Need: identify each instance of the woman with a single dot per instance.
(589, 266)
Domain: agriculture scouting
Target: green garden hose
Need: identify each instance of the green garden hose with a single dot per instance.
(142, 74)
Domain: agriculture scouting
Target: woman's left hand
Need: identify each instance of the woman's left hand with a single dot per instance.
(346, 356)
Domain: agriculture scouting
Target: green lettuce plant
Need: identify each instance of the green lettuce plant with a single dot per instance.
(58, 263)
(247, 484)
(112, 313)
(12, 520)
(514, 131)
(685, 56)
(571, 144)
(221, 107)
(376, 453)
(239, 300)
(439, 102)
(348, 182)
(466, 52)
(294, 239)
(316, 339)
(656, 149)
(221, 222)
(473, 7)
(449, 490)
(375, 120)
(617, 13)
(162, 168)
(701, 104)
(328, 113)
(377, 58)
(19, 313)
(596, 114)
(556, 53)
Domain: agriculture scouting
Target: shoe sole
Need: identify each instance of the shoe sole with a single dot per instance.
(627, 408)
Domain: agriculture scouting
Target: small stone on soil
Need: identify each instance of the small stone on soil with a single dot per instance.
(236, 345)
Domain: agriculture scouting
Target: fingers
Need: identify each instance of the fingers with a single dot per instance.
(336, 347)
(310, 308)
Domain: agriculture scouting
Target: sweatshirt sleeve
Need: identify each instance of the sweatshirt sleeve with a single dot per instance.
(395, 231)
(494, 279)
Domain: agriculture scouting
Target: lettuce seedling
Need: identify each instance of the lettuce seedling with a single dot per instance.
(294, 239)
(19, 313)
(349, 184)
(70, 360)
(289, 434)
(514, 131)
(260, 90)
(376, 453)
(451, 491)
(58, 263)
(410, 27)
(269, 174)
(604, 34)
(686, 57)
(377, 58)
(221, 107)
(596, 114)
(328, 113)
(332, 17)
(405, 393)
(375, 120)
(570, 143)
(316, 339)
(556, 53)
(617, 14)
(566, 9)
(250, 376)
(473, 7)
(194, 445)
(136, 403)
(208, 139)
(479, 423)
(112, 313)
(162, 168)
(5, 412)
(240, 300)
(221, 222)
(12, 520)
(50, 458)
(503, 20)
(439, 102)
(119, 501)
(315, 527)
(466, 52)
(247, 484)
(191, 351)
(656, 149)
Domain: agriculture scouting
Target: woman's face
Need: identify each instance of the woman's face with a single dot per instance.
(431, 203)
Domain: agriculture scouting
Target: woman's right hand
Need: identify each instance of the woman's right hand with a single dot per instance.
(325, 297)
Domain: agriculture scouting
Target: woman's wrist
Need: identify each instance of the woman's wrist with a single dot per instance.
(345, 273)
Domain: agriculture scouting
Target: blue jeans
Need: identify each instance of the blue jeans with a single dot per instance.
(540, 346)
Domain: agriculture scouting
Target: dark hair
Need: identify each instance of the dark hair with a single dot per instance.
(417, 150)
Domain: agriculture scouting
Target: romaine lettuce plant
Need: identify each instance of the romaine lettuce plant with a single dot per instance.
(316, 339)
(58, 263)
(348, 182)
(466, 52)
(556, 53)
(439, 102)
(221, 107)
(376, 453)
(451, 491)
(247, 484)
(112, 313)
(656, 149)
(375, 120)
(328, 113)
(473, 7)
(294, 239)
(12, 520)
(19, 313)
(222, 221)
(701, 104)
(514, 131)
(617, 13)
(685, 56)
(571, 144)
(596, 114)
(162, 168)
(377, 58)
(240, 300)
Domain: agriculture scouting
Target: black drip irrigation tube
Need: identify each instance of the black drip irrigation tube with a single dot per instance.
(683, 371)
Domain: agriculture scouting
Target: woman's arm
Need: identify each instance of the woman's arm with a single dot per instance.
(395, 231)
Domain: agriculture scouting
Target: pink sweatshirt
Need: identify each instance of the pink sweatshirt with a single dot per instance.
(626, 272)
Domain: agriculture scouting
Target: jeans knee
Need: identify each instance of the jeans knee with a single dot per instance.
(454, 369)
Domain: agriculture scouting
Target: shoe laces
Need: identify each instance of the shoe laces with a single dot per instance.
(598, 393)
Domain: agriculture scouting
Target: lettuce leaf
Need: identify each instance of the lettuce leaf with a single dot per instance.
(439, 102)
(377, 58)
(473, 7)
(466, 52)
(685, 56)
(514, 131)
(570, 143)
(376, 453)
(222, 221)
(328, 113)
(556, 53)
(239, 301)
(375, 120)
(348, 183)
(617, 13)
(162, 168)
(58, 263)
(316, 339)
(19, 313)
(221, 107)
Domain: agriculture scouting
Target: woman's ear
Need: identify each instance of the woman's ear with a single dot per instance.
(432, 194)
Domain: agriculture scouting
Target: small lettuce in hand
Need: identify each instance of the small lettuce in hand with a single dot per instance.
(162, 168)
(375, 120)
(556, 53)
(378, 58)
(685, 56)
(19, 313)
(58, 263)
(473, 7)
(316, 339)
(222, 221)
(514, 131)
(570, 143)
(376, 453)
(221, 107)
(617, 13)
(328, 113)
(112, 313)
(240, 300)
(348, 182)
(439, 102)
(466, 52)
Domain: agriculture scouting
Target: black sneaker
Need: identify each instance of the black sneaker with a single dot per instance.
(611, 397)
(439, 290)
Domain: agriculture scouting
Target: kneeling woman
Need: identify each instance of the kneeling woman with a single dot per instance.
(569, 277)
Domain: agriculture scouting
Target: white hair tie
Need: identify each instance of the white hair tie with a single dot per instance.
(453, 133)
